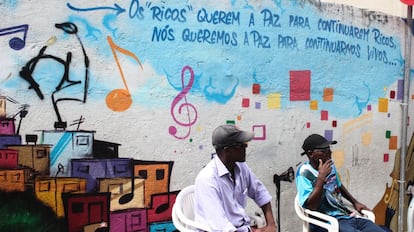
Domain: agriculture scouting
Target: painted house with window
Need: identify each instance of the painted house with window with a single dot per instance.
(86, 209)
(156, 175)
(161, 209)
(6, 140)
(92, 169)
(67, 145)
(49, 190)
(7, 126)
(35, 157)
(129, 220)
(8, 135)
(167, 226)
(12, 180)
(8, 158)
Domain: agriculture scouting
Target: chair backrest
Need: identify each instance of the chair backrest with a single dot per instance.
(313, 217)
(183, 211)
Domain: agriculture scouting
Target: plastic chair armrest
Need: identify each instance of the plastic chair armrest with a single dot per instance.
(369, 214)
(330, 223)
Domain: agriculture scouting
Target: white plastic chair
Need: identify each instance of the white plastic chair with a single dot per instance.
(183, 212)
(410, 216)
(320, 219)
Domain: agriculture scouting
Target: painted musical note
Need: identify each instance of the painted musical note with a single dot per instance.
(188, 107)
(129, 196)
(120, 99)
(16, 43)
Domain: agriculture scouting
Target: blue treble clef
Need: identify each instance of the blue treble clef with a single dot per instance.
(188, 107)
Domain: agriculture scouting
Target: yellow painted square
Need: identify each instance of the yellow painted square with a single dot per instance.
(338, 157)
(273, 101)
(313, 105)
(366, 138)
(382, 105)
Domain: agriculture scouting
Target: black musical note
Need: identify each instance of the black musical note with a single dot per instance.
(187, 106)
(164, 207)
(128, 197)
(16, 43)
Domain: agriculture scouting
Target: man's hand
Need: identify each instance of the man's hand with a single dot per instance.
(359, 206)
(267, 228)
(325, 168)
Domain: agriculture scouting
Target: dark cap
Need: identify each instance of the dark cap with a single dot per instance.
(226, 135)
(315, 141)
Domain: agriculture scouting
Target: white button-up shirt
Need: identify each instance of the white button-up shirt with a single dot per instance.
(220, 201)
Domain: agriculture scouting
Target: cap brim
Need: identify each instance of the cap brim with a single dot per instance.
(238, 137)
(245, 136)
(326, 144)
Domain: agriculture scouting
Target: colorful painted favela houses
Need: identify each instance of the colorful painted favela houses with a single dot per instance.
(84, 181)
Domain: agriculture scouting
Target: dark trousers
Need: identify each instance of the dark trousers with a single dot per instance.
(354, 225)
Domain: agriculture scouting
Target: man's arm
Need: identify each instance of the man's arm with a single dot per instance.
(314, 200)
(270, 221)
(357, 205)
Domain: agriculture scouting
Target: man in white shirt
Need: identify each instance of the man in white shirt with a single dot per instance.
(223, 185)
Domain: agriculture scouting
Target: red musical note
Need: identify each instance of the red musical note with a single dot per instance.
(187, 106)
(120, 99)
(16, 43)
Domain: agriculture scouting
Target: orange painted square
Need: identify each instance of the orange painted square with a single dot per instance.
(393, 143)
(328, 94)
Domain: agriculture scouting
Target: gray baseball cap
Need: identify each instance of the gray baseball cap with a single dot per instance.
(226, 135)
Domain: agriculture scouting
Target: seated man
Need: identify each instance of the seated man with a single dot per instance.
(223, 185)
(319, 188)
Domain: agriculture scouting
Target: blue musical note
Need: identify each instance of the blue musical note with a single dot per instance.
(16, 43)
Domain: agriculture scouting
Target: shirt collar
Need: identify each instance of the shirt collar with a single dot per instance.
(221, 169)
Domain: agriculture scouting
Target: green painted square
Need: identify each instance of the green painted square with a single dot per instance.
(388, 134)
(231, 122)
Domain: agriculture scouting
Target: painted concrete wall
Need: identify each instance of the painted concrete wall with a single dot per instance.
(157, 77)
(396, 8)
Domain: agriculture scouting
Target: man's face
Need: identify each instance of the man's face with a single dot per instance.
(236, 152)
(323, 154)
